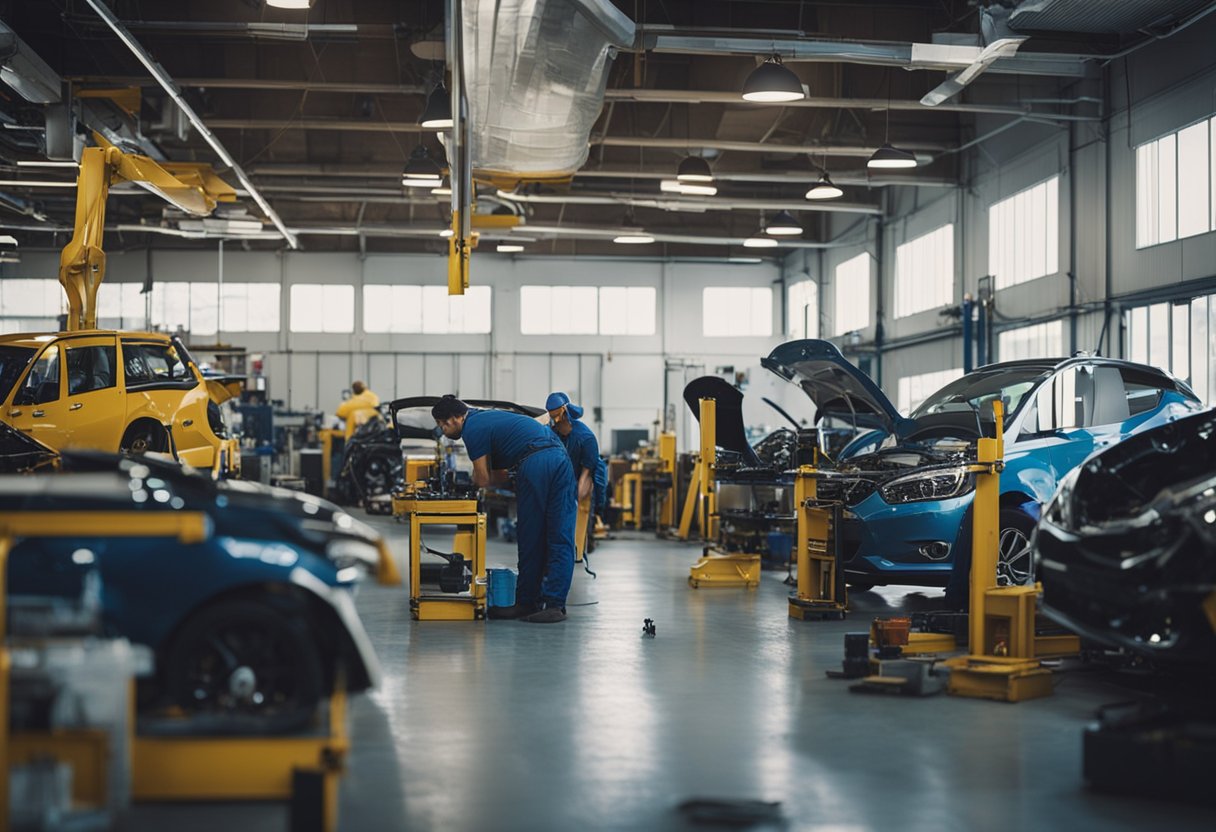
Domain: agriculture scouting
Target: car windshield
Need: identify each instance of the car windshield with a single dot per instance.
(974, 390)
(13, 361)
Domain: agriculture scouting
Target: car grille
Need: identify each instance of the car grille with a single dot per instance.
(847, 490)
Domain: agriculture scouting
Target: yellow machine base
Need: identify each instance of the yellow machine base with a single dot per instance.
(985, 677)
(725, 570)
(816, 610)
(926, 644)
(447, 609)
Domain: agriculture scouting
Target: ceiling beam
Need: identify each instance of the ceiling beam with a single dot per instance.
(260, 84)
(694, 143)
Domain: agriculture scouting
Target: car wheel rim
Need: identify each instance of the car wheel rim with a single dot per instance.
(1013, 566)
(140, 444)
(243, 670)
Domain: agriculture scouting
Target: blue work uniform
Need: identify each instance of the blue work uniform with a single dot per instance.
(584, 452)
(545, 498)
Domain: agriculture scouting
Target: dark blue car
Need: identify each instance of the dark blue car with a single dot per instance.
(252, 624)
(907, 496)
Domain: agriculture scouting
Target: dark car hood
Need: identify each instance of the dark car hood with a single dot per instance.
(20, 451)
(421, 426)
(728, 417)
(835, 386)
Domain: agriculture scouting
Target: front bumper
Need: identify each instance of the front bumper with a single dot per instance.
(901, 544)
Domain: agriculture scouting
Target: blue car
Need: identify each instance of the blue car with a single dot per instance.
(907, 496)
(250, 627)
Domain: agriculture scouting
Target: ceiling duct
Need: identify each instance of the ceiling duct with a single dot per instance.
(535, 72)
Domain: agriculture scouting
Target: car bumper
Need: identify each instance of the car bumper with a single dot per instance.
(903, 544)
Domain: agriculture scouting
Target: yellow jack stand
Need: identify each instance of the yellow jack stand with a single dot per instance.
(1004, 663)
(725, 569)
(470, 543)
(702, 499)
(821, 593)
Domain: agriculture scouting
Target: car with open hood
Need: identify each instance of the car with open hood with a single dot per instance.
(903, 482)
(131, 392)
(250, 626)
(1127, 547)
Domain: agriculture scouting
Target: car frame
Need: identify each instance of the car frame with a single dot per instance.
(265, 599)
(116, 391)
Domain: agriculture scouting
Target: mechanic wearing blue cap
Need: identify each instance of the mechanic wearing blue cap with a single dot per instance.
(590, 471)
(499, 442)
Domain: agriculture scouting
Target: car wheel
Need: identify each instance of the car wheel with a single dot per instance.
(1015, 561)
(249, 662)
(142, 438)
(381, 473)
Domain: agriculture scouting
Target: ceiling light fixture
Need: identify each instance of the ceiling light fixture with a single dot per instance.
(36, 183)
(49, 163)
(772, 82)
(889, 157)
(633, 238)
(783, 225)
(442, 190)
(289, 4)
(509, 248)
(694, 169)
(421, 170)
(825, 188)
(760, 242)
(674, 186)
(438, 112)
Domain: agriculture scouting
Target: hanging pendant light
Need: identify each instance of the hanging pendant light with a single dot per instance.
(825, 188)
(633, 237)
(888, 157)
(783, 224)
(772, 82)
(675, 186)
(289, 4)
(421, 171)
(757, 241)
(694, 169)
(438, 112)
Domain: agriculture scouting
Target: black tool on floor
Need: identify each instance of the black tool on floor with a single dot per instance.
(648, 628)
(856, 657)
(728, 812)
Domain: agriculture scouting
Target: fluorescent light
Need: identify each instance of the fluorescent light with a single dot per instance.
(746, 260)
(289, 4)
(447, 232)
(760, 242)
(674, 186)
(36, 183)
(37, 163)
(636, 238)
(509, 248)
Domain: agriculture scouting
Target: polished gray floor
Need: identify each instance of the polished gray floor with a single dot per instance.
(586, 724)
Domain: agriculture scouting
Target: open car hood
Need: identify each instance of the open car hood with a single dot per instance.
(729, 429)
(20, 452)
(836, 387)
(412, 415)
(223, 387)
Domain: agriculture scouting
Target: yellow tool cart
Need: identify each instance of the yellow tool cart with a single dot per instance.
(461, 581)
(820, 592)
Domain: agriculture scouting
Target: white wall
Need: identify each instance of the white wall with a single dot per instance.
(624, 375)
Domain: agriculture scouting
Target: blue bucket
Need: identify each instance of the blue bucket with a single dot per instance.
(500, 587)
(780, 546)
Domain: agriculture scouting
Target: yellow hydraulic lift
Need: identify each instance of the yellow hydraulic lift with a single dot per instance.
(714, 568)
(820, 593)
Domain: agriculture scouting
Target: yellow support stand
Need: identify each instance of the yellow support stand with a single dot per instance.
(470, 543)
(820, 594)
(667, 468)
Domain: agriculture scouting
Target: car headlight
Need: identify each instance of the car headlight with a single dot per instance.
(937, 484)
(352, 558)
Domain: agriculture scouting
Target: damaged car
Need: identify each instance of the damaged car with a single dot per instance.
(250, 626)
(904, 484)
(1127, 548)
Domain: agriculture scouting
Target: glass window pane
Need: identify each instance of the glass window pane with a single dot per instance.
(614, 310)
(1137, 335)
(761, 303)
(339, 308)
(1167, 189)
(643, 304)
(435, 310)
(1159, 335)
(1146, 189)
(1180, 352)
(1193, 184)
(534, 310)
(852, 294)
(204, 308)
(1200, 347)
(584, 310)
(307, 308)
(377, 308)
(478, 318)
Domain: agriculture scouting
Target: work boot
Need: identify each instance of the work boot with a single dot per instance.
(549, 615)
(513, 611)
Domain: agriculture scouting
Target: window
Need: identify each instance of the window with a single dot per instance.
(1024, 235)
(924, 272)
(122, 306)
(42, 382)
(852, 290)
(90, 368)
(426, 309)
(153, 364)
(802, 309)
(1176, 337)
(193, 307)
(249, 307)
(627, 310)
(319, 307)
(30, 305)
(13, 361)
(1037, 341)
(1175, 180)
(730, 311)
(913, 390)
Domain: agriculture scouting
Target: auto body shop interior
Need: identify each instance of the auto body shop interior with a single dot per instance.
(609, 414)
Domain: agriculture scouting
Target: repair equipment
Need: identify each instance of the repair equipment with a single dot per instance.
(820, 592)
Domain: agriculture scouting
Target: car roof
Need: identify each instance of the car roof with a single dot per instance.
(38, 339)
(1058, 363)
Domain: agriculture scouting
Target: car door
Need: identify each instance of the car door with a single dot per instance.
(96, 414)
(38, 409)
(1055, 433)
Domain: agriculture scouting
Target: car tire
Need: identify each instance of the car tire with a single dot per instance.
(1015, 561)
(144, 437)
(246, 666)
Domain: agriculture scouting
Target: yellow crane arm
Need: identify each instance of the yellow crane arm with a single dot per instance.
(194, 188)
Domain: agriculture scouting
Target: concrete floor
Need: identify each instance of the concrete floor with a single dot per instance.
(511, 726)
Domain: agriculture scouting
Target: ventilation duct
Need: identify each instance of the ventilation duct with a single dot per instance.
(535, 72)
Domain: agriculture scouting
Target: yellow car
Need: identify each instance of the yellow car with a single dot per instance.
(131, 392)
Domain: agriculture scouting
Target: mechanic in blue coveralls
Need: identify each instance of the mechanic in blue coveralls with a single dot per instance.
(500, 443)
(590, 470)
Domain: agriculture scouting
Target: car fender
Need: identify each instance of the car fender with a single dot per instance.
(342, 604)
